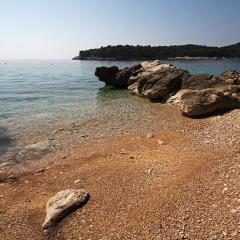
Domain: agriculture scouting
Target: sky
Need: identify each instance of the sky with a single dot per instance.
(59, 29)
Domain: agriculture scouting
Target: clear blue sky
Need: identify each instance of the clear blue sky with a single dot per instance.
(42, 29)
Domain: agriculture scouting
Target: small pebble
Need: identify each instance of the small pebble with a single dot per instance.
(150, 135)
(160, 142)
(76, 181)
(40, 170)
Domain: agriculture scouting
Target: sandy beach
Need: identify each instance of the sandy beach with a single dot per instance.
(178, 183)
(119, 120)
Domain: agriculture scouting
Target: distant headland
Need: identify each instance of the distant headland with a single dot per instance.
(186, 52)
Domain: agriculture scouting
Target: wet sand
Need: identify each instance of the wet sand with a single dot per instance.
(186, 188)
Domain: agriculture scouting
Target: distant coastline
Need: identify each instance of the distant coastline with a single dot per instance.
(181, 52)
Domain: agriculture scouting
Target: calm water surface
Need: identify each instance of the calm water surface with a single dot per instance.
(37, 97)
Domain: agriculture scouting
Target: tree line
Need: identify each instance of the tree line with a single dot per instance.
(128, 52)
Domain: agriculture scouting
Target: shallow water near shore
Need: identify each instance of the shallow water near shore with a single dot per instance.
(46, 105)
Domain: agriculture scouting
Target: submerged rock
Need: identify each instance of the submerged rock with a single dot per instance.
(5, 137)
(44, 146)
(197, 103)
(62, 204)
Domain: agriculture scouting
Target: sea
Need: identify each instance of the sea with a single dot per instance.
(41, 99)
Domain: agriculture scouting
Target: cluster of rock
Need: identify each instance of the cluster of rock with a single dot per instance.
(197, 95)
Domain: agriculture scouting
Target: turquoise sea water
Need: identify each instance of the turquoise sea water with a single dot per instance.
(45, 88)
(39, 96)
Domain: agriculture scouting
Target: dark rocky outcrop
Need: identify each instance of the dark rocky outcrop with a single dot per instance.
(197, 94)
(125, 74)
(106, 74)
(118, 77)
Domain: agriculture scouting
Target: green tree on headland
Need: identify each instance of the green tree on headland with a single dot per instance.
(128, 52)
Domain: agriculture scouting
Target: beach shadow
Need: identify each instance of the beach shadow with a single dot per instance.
(213, 114)
(6, 142)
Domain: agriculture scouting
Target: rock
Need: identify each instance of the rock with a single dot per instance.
(40, 146)
(118, 77)
(159, 84)
(5, 164)
(123, 151)
(201, 102)
(160, 142)
(12, 178)
(40, 170)
(4, 137)
(201, 81)
(125, 77)
(156, 86)
(197, 94)
(230, 77)
(62, 204)
(176, 98)
(151, 79)
(76, 181)
(150, 135)
(106, 74)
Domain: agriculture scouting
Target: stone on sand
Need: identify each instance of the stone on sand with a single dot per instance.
(62, 204)
(150, 135)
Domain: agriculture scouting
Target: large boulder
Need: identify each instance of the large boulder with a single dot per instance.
(195, 103)
(62, 204)
(159, 84)
(201, 81)
(118, 77)
(106, 74)
(124, 76)
(149, 68)
(130, 75)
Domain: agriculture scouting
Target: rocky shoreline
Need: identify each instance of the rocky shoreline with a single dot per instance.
(197, 95)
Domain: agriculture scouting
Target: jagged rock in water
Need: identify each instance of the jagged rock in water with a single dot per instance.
(62, 204)
(129, 75)
(106, 74)
(195, 103)
(124, 75)
(117, 77)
